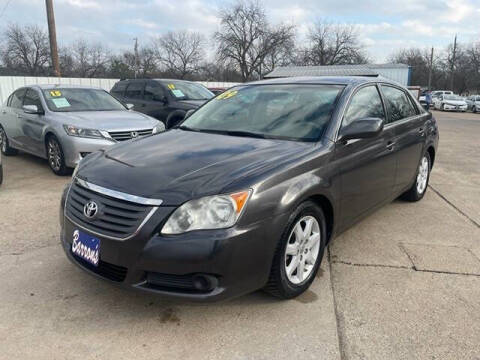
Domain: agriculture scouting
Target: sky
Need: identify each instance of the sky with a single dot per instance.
(384, 26)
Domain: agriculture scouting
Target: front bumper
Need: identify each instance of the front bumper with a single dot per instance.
(75, 148)
(239, 258)
(454, 107)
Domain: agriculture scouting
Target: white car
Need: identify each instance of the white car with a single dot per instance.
(473, 103)
(450, 103)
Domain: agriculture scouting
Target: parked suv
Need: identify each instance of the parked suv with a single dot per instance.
(65, 123)
(164, 99)
(248, 190)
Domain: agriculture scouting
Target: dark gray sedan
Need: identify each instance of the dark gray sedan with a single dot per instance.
(248, 191)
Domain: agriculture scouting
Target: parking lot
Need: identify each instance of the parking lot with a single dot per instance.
(402, 284)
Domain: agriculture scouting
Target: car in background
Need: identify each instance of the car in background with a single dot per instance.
(247, 192)
(65, 123)
(473, 103)
(164, 99)
(1, 169)
(450, 103)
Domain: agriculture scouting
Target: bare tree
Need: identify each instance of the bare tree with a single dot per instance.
(419, 61)
(333, 44)
(246, 38)
(90, 60)
(180, 52)
(26, 50)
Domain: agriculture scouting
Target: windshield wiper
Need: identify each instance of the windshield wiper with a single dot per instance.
(186, 128)
(237, 133)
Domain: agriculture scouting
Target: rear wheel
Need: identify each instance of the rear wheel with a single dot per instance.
(419, 187)
(474, 109)
(299, 252)
(442, 107)
(4, 144)
(55, 156)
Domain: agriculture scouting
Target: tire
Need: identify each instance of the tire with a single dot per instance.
(442, 108)
(5, 145)
(55, 157)
(419, 187)
(474, 109)
(289, 285)
(174, 119)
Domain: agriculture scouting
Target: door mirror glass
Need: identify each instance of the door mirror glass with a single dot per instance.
(31, 109)
(361, 129)
(129, 106)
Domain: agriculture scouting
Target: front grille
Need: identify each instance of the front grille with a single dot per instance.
(116, 218)
(105, 269)
(127, 135)
(170, 281)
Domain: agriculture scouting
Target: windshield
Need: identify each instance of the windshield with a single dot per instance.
(183, 90)
(452, 97)
(78, 99)
(295, 112)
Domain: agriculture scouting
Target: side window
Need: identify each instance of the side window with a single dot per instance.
(119, 88)
(32, 98)
(365, 103)
(153, 91)
(17, 98)
(134, 90)
(398, 105)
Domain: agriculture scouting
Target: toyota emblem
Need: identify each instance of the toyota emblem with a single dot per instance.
(90, 209)
(134, 134)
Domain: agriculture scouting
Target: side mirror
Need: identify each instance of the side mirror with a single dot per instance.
(188, 113)
(129, 106)
(31, 109)
(162, 99)
(361, 129)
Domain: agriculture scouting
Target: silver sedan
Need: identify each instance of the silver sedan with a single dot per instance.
(63, 124)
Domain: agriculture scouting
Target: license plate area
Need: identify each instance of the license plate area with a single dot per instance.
(86, 247)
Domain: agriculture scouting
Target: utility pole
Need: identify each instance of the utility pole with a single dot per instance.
(454, 55)
(430, 71)
(135, 50)
(52, 33)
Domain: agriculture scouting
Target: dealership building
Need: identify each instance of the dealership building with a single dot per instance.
(399, 73)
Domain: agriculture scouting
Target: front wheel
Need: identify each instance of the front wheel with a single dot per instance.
(419, 187)
(56, 158)
(5, 145)
(299, 252)
(474, 109)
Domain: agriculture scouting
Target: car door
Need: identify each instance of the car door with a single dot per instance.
(13, 122)
(33, 124)
(408, 124)
(367, 166)
(156, 102)
(134, 94)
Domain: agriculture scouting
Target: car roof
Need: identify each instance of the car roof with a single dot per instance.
(333, 80)
(63, 86)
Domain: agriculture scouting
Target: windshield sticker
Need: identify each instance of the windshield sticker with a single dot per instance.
(171, 86)
(178, 93)
(55, 93)
(227, 95)
(61, 103)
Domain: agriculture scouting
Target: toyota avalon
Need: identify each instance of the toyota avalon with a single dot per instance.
(248, 190)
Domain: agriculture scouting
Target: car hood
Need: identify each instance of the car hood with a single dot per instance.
(179, 165)
(455, 102)
(121, 120)
(193, 103)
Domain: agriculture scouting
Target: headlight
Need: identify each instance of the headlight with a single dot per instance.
(211, 212)
(160, 127)
(81, 132)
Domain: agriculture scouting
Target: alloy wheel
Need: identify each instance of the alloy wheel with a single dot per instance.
(54, 155)
(302, 250)
(3, 140)
(422, 176)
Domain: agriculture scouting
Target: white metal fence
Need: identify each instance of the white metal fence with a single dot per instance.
(9, 83)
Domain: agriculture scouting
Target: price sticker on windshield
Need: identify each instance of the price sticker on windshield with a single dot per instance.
(171, 86)
(227, 95)
(55, 93)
